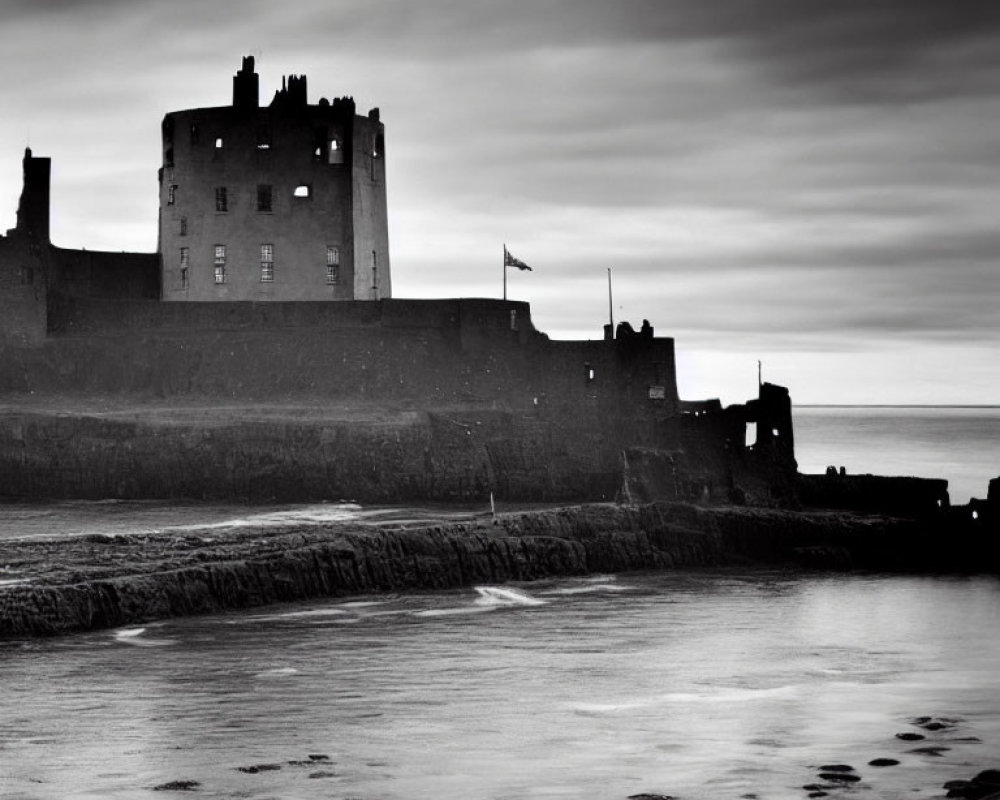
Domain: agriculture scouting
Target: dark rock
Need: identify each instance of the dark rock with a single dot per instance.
(647, 796)
(322, 775)
(929, 751)
(966, 739)
(177, 786)
(883, 762)
(837, 768)
(920, 720)
(816, 787)
(935, 726)
(990, 776)
(839, 777)
(318, 757)
(910, 737)
(984, 785)
(817, 794)
(254, 769)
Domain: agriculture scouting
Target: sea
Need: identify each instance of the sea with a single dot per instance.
(749, 684)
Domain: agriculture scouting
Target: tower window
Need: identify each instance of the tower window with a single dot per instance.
(218, 143)
(264, 197)
(168, 158)
(184, 226)
(303, 190)
(184, 277)
(220, 263)
(221, 199)
(263, 138)
(266, 263)
(332, 265)
(185, 259)
(335, 151)
(171, 194)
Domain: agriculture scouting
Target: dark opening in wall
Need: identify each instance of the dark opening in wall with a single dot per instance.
(221, 199)
(195, 133)
(171, 194)
(264, 197)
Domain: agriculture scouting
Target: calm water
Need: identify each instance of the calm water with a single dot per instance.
(960, 444)
(694, 684)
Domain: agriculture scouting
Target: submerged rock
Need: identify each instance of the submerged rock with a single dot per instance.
(177, 786)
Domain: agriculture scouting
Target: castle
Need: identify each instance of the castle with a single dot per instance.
(265, 325)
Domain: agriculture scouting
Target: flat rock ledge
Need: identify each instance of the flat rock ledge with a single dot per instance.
(67, 584)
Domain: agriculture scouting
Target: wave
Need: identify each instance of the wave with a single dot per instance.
(501, 596)
(136, 638)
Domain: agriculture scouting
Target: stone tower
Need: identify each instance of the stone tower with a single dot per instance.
(284, 202)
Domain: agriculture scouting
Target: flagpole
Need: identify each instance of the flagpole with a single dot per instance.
(611, 312)
(505, 272)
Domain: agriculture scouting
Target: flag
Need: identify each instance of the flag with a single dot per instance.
(510, 261)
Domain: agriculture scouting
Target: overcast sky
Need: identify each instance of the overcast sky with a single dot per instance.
(811, 183)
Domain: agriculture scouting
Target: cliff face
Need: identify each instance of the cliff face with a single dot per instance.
(76, 584)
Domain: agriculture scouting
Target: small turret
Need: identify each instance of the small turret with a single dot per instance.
(246, 86)
(33, 209)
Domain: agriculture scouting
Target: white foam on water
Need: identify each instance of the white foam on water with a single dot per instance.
(308, 515)
(277, 672)
(316, 612)
(592, 589)
(453, 612)
(503, 596)
(135, 637)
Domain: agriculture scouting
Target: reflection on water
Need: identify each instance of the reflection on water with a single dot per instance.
(697, 685)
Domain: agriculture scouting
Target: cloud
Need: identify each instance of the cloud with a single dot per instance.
(769, 176)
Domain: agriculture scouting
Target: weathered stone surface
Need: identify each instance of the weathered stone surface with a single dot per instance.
(82, 583)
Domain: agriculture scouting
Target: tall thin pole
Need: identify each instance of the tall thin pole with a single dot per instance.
(611, 311)
(504, 259)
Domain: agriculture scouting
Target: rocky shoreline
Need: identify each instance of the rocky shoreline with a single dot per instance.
(71, 584)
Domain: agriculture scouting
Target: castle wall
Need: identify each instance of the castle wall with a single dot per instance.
(434, 353)
(23, 316)
(370, 217)
(101, 274)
